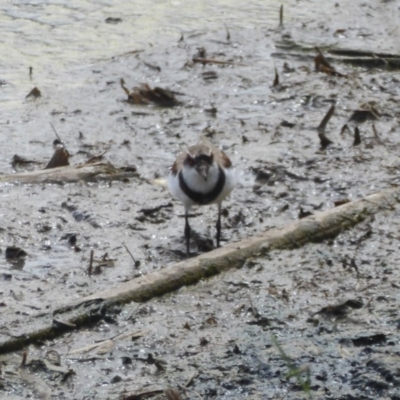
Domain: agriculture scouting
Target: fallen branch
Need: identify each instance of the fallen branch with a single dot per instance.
(92, 172)
(213, 61)
(325, 142)
(94, 308)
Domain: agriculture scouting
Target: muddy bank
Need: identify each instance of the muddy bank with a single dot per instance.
(331, 306)
(91, 309)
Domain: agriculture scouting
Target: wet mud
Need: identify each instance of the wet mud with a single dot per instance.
(320, 321)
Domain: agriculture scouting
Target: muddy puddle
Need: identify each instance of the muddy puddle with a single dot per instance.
(316, 322)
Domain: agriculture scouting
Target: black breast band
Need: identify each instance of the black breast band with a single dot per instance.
(203, 198)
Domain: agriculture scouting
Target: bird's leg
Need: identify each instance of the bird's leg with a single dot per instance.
(219, 224)
(187, 232)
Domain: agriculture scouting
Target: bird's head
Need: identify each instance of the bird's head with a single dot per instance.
(201, 163)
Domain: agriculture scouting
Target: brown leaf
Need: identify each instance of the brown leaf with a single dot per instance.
(144, 95)
(59, 159)
(35, 92)
(323, 65)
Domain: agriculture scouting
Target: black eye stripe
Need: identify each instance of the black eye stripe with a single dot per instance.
(189, 160)
(200, 158)
(203, 157)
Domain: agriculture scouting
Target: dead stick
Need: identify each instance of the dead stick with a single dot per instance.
(58, 137)
(90, 269)
(357, 137)
(228, 35)
(212, 61)
(325, 142)
(281, 16)
(376, 134)
(126, 248)
(325, 120)
(98, 171)
(276, 80)
(323, 59)
(24, 358)
(253, 310)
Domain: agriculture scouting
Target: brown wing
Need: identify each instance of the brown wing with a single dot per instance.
(178, 164)
(223, 160)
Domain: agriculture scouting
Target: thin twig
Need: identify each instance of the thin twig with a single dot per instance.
(276, 80)
(378, 139)
(325, 142)
(228, 35)
(357, 137)
(323, 59)
(90, 269)
(281, 16)
(325, 120)
(24, 358)
(58, 137)
(212, 61)
(253, 310)
(133, 258)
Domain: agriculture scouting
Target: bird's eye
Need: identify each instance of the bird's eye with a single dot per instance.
(189, 160)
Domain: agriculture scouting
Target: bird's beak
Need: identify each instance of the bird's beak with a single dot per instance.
(202, 169)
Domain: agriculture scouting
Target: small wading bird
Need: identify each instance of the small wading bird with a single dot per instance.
(201, 175)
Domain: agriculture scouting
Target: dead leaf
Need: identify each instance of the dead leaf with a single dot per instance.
(35, 92)
(144, 95)
(59, 159)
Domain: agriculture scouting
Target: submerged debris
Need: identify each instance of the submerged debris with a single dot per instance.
(363, 115)
(59, 159)
(19, 161)
(113, 20)
(357, 137)
(323, 65)
(341, 310)
(325, 142)
(35, 92)
(144, 95)
(276, 79)
(208, 75)
(14, 252)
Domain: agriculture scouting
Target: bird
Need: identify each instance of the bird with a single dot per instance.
(201, 175)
